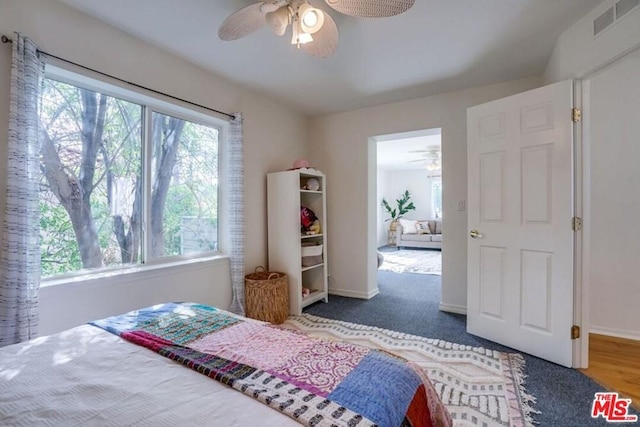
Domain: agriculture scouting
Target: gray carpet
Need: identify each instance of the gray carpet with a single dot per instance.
(409, 303)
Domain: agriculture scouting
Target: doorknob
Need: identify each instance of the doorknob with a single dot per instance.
(475, 234)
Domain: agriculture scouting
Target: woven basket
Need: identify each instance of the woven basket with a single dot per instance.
(266, 295)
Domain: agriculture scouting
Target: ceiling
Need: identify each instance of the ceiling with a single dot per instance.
(405, 151)
(436, 46)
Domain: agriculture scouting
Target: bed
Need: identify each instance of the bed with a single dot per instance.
(190, 364)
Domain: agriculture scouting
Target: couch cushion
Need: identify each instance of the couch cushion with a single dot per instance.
(438, 226)
(416, 237)
(436, 238)
(408, 226)
(423, 227)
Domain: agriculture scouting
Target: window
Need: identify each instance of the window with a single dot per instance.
(122, 182)
(436, 197)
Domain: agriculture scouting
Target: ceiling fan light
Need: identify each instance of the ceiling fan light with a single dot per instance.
(311, 19)
(278, 20)
(300, 37)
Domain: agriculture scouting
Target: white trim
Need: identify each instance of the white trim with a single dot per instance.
(135, 273)
(583, 303)
(453, 308)
(619, 333)
(580, 310)
(354, 294)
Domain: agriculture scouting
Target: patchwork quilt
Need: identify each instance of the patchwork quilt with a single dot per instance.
(317, 382)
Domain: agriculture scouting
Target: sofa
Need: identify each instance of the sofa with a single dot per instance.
(419, 233)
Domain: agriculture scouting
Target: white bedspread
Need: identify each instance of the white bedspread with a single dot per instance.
(89, 377)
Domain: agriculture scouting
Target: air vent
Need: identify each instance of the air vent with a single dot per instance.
(624, 6)
(603, 21)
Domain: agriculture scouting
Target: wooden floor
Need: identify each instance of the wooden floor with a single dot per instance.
(614, 363)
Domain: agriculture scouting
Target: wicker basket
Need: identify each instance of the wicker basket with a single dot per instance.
(267, 295)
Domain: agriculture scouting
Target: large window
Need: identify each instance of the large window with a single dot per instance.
(436, 196)
(122, 183)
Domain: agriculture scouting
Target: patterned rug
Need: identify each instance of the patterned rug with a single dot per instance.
(421, 261)
(480, 387)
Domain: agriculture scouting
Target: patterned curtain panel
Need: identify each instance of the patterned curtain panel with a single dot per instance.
(235, 212)
(20, 251)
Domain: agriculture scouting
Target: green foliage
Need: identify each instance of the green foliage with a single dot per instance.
(192, 193)
(403, 205)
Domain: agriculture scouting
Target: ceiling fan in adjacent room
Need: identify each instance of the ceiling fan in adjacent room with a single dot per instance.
(431, 158)
(313, 30)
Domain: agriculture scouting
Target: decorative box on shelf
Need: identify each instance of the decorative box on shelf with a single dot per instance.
(311, 254)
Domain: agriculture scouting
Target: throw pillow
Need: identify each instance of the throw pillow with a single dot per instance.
(408, 226)
(423, 227)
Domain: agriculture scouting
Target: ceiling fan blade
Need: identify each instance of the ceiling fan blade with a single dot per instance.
(370, 8)
(242, 22)
(325, 41)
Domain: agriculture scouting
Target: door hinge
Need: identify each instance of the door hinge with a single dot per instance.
(575, 332)
(576, 115)
(576, 223)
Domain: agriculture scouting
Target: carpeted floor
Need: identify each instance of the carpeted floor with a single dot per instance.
(421, 261)
(409, 303)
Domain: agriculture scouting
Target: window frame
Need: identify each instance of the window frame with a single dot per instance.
(150, 103)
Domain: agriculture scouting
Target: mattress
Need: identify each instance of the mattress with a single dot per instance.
(86, 376)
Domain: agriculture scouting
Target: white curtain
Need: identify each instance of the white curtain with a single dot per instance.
(20, 251)
(235, 212)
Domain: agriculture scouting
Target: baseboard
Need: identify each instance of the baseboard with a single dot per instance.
(618, 333)
(353, 294)
(452, 308)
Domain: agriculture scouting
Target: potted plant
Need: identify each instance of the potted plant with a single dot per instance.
(403, 205)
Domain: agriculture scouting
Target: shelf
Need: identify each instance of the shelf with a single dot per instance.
(287, 192)
(314, 296)
(311, 267)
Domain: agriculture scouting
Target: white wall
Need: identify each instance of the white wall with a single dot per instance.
(340, 145)
(382, 216)
(614, 270)
(419, 186)
(577, 52)
(274, 137)
(613, 275)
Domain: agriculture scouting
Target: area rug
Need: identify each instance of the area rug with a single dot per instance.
(421, 261)
(480, 387)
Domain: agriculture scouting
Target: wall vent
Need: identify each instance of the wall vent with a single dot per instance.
(603, 21)
(624, 6)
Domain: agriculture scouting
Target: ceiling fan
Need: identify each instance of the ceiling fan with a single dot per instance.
(431, 156)
(313, 30)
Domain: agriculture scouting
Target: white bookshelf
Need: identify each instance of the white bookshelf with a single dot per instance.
(285, 195)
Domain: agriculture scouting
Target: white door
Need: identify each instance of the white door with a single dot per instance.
(520, 192)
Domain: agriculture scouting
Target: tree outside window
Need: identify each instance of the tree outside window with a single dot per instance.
(93, 192)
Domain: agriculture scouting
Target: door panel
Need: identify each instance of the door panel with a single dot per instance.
(520, 266)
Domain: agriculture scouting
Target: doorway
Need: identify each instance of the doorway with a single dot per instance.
(408, 188)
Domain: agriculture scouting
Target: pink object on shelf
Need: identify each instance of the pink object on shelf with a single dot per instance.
(301, 163)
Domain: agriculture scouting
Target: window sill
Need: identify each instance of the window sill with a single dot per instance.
(146, 271)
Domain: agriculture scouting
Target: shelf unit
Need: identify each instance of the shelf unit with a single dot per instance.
(285, 195)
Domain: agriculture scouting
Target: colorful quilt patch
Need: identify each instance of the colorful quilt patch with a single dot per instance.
(366, 389)
(189, 324)
(248, 343)
(323, 366)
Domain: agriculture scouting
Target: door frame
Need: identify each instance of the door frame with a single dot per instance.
(372, 194)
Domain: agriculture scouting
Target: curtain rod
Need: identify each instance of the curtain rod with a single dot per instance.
(6, 39)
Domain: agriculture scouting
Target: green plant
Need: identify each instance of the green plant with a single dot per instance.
(403, 205)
